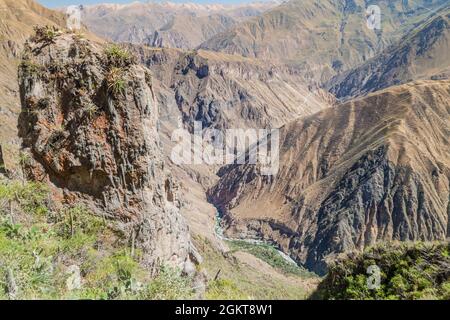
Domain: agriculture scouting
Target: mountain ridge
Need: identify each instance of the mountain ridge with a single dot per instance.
(166, 24)
(420, 55)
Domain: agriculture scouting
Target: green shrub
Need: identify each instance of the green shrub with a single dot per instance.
(90, 110)
(169, 285)
(118, 57)
(45, 34)
(116, 82)
(29, 67)
(408, 271)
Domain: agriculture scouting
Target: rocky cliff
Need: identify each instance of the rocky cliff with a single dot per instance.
(373, 169)
(89, 125)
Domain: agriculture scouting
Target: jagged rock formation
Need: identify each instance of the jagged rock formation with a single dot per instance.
(173, 25)
(325, 37)
(89, 124)
(422, 54)
(372, 169)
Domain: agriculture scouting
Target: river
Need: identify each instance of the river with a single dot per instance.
(220, 234)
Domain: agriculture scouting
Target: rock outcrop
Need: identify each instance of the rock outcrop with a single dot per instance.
(373, 169)
(89, 123)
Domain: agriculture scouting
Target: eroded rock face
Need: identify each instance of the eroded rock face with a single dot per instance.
(89, 123)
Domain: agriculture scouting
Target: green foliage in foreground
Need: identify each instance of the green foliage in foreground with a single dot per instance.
(408, 271)
(271, 256)
(70, 254)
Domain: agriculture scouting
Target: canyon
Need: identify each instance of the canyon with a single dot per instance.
(363, 117)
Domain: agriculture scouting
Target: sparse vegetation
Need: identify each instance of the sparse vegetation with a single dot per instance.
(118, 57)
(45, 34)
(29, 67)
(68, 253)
(116, 82)
(90, 110)
(224, 289)
(407, 271)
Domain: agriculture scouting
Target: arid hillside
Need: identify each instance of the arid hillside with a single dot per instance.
(422, 54)
(372, 169)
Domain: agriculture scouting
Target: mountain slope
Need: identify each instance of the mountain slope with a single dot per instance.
(221, 91)
(322, 37)
(422, 54)
(372, 169)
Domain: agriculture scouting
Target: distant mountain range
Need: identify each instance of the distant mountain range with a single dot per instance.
(422, 54)
(324, 37)
(167, 24)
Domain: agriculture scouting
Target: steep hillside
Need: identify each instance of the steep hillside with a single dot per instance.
(166, 24)
(322, 37)
(89, 129)
(422, 54)
(17, 18)
(369, 170)
(229, 91)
